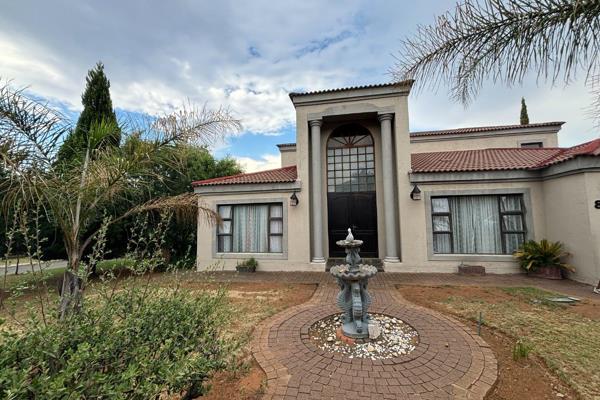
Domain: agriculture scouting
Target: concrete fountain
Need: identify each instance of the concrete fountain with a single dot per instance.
(353, 298)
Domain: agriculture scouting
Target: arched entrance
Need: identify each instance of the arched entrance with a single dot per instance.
(351, 199)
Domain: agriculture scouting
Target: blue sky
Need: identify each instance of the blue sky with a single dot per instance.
(248, 56)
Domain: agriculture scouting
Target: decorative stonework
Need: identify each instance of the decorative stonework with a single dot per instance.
(353, 298)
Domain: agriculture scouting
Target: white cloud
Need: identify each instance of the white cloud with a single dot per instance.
(266, 161)
(245, 55)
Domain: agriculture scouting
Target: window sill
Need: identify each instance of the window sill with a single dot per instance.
(258, 256)
(472, 257)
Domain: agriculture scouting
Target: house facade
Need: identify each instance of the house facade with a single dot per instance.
(420, 201)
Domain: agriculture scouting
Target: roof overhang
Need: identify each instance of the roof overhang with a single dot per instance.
(352, 93)
(574, 166)
(247, 188)
(465, 133)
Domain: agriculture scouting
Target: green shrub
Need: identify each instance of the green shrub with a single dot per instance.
(248, 265)
(521, 350)
(134, 343)
(533, 255)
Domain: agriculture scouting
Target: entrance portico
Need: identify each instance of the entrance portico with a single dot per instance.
(353, 170)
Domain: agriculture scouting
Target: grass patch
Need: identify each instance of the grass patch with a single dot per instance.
(567, 341)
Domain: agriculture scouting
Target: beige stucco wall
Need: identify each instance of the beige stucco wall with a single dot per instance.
(288, 157)
(499, 140)
(572, 219)
(296, 235)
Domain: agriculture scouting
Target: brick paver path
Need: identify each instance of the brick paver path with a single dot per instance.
(450, 361)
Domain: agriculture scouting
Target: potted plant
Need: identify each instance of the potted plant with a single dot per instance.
(248, 265)
(543, 259)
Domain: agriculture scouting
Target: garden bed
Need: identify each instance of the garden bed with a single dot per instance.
(564, 339)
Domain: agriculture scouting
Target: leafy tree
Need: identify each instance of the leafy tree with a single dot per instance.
(97, 107)
(30, 134)
(524, 115)
(194, 163)
(504, 40)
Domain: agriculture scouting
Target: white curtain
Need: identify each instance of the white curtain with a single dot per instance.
(250, 229)
(475, 225)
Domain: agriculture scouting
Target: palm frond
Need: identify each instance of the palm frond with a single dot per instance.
(503, 40)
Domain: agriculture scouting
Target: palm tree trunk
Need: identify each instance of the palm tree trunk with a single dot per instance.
(71, 293)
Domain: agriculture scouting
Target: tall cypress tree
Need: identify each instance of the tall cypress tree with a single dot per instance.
(524, 115)
(97, 107)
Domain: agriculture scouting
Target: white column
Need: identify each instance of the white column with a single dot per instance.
(317, 207)
(389, 205)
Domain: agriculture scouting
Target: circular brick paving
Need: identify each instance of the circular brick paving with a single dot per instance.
(450, 361)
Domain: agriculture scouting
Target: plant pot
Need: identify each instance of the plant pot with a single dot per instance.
(244, 268)
(546, 273)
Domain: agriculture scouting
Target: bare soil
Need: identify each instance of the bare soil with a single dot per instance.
(528, 378)
(256, 301)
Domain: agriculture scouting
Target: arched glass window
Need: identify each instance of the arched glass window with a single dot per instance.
(350, 160)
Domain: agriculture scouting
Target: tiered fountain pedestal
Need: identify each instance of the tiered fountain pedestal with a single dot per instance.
(353, 298)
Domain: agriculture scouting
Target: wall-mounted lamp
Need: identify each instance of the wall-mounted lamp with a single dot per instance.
(416, 193)
(294, 200)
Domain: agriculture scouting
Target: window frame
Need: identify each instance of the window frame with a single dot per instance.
(269, 233)
(530, 145)
(520, 212)
(503, 232)
(443, 214)
(230, 234)
(270, 205)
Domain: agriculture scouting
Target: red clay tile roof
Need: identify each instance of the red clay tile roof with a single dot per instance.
(499, 159)
(408, 82)
(478, 129)
(280, 175)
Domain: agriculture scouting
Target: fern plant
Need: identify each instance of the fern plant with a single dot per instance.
(533, 255)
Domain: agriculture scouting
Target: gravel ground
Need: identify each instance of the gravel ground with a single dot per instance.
(397, 338)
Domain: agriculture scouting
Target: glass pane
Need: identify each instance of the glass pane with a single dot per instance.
(510, 203)
(225, 211)
(250, 229)
(276, 226)
(276, 211)
(440, 205)
(441, 223)
(442, 243)
(224, 244)
(512, 242)
(475, 225)
(512, 222)
(276, 244)
(225, 227)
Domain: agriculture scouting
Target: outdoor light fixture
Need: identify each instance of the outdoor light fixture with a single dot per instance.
(416, 193)
(294, 200)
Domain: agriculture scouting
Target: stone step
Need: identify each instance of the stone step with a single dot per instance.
(376, 262)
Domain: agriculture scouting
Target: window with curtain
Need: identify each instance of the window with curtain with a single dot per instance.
(250, 228)
(477, 224)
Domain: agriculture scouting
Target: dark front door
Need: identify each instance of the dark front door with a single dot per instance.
(356, 210)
